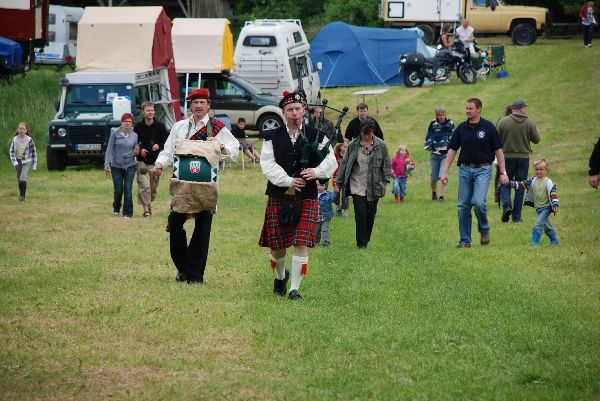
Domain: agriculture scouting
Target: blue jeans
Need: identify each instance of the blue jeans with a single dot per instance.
(399, 186)
(123, 184)
(543, 223)
(436, 165)
(516, 169)
(473, 184)
(588, 33)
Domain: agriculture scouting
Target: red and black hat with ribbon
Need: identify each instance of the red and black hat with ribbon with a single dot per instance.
(291, 97)
(198, 94)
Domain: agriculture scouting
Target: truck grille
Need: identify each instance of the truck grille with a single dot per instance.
(87, 134)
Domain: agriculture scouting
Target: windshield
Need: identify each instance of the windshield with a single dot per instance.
(247, 85)
(92, 95)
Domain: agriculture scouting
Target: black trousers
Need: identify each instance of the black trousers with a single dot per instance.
(364, 216)
(190, 259)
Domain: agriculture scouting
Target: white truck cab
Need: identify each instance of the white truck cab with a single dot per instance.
(268, 54)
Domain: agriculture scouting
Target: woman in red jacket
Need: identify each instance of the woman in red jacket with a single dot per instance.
(588, 15)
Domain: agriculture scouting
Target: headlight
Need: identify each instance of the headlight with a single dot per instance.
(62, 132)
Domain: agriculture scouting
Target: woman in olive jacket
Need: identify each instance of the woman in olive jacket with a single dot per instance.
(365, 171)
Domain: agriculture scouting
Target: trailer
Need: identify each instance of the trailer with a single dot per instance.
(275, 56)
(25, 22)
(62, 36)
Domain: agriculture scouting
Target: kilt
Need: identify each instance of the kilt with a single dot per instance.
(278, 236)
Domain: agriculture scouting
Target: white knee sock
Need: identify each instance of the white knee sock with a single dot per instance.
(278, 266)
(299, 269)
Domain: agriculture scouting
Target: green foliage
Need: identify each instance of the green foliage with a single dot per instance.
(562, 10)
(90, 309)
(354, 12)
(314, 14)
(31, 100)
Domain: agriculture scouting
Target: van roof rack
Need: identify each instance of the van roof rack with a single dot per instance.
(273, 22)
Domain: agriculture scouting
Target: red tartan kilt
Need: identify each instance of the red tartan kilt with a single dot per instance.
(278, 236)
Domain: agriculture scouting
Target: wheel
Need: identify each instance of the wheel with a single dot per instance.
(428, 33)
(55, 159)
(413, 79)
(467, 74)
(523, 35)
(269, 121)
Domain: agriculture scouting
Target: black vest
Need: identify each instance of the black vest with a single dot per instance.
(288, 156)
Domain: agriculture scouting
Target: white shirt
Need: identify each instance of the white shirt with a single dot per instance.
(464, 33)
(277, 175)
(182, 130)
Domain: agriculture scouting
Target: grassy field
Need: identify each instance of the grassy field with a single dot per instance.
(90, 310)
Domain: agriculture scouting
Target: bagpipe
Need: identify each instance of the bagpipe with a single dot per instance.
(312, 156)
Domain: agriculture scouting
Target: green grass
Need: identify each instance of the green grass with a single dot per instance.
(90, 310)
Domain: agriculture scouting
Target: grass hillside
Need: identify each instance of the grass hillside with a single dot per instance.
(90, 309)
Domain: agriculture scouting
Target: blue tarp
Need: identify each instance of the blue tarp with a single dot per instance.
(360, 56)
(10, 53)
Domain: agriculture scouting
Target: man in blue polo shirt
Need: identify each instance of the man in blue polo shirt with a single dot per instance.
(478, 142)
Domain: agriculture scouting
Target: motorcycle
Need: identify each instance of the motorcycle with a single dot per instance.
(416, 67)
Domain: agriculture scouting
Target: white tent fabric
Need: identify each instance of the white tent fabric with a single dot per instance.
(108, 35)
(198, 44)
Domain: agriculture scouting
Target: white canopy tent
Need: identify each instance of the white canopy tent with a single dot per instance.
(109, 39)
(213, 36)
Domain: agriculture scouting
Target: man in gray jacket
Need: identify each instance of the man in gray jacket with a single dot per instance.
(517, 132)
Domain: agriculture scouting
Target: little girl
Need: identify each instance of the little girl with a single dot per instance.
(23, 156)
(402, 165)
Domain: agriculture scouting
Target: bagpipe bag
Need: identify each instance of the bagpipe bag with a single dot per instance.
(194, 185)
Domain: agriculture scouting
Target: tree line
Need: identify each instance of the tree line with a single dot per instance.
(316, 13)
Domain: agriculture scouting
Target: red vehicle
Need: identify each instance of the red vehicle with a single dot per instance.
(25, 22)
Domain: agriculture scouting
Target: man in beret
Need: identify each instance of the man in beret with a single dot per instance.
(190, 260)
(517, 133)
(291, 182)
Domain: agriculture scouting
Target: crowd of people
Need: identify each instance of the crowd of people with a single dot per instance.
(299, 208)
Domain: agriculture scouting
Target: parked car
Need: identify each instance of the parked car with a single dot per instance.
(235, 97)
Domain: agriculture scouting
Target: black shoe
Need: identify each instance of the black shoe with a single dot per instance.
(506, 214)
(434, 197)
(463, 245)
(195, 281)
(180, 277)
(294, 296)
(280, 286)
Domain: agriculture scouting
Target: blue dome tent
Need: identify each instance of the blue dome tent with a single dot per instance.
(362, 56)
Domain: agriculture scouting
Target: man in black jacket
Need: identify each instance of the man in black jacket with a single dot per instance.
(353, 128)
(152, 135)
(291, 188)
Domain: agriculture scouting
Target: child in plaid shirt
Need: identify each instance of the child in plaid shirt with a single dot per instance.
(23, 155)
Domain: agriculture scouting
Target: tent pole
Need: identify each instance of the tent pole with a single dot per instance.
(187, 85)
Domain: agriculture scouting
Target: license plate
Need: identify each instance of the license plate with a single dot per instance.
(88, 146)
